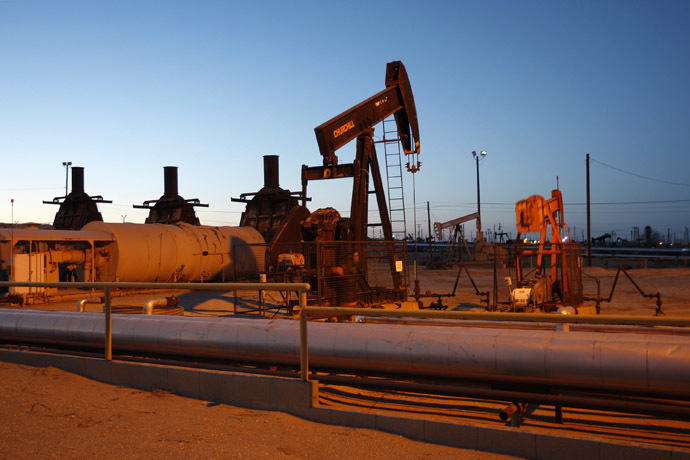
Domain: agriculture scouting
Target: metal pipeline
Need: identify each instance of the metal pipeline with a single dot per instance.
(71, 256)
(615, 403)
(635, 363)
(81, 303)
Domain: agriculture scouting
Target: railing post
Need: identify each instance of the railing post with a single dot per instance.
(303, 351)
(108, 326)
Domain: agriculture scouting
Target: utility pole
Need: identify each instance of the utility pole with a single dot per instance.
(431, 242)
(589, 226)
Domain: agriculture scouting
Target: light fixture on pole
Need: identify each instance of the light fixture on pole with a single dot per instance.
(66, 164)
(477, 157)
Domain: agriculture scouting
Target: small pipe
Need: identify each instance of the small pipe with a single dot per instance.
(153, 302)
(170, 181)
(512, 411)
(564, 311)
(81, 303)
(522, 325)
(271, 173)
(77, 179)
(655, 407)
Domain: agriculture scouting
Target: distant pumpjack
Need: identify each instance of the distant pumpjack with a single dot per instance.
(78, 208)
(171, 208)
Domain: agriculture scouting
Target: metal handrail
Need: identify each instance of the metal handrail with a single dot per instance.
(300, 288)
(464, 315)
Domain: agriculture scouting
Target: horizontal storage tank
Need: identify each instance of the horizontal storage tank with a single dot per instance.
(180, 252)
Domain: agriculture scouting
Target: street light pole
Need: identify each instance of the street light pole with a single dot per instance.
(480, 234)
(12, 271)
(479, 206)
(66, 164)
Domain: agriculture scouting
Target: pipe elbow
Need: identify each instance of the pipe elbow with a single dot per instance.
(81, 303)
(154, 302)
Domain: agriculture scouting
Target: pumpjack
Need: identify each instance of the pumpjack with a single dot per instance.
(559, 283)
(328, 251)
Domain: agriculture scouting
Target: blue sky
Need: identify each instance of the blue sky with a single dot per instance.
(125, 88)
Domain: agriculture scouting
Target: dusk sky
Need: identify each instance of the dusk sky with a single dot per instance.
(124, 88)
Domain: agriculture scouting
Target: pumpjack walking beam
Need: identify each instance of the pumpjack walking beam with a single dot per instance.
(358, 122)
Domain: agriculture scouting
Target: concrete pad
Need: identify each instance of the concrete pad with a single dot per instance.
(284, 394)
(318, 415)
(184, 382)
(261, 405)
(217, 386)
(511, 441)
(631, 452)
(562, 448)
(355, 419)
(144, 377)
(450, 434)
(93, 368)
(678, 455)
(408, 427)
(250, 388)
(30, 358)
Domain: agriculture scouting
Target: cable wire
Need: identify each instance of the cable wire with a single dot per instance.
(638, 175)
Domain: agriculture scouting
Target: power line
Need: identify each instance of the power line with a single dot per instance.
(629, 202)
(603, 203)
(639, 175)
(29, 189)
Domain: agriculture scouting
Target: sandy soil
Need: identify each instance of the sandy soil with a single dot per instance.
(48, 413)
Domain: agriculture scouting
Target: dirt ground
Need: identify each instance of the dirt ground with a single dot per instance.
(673, 285)
(47, 413)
